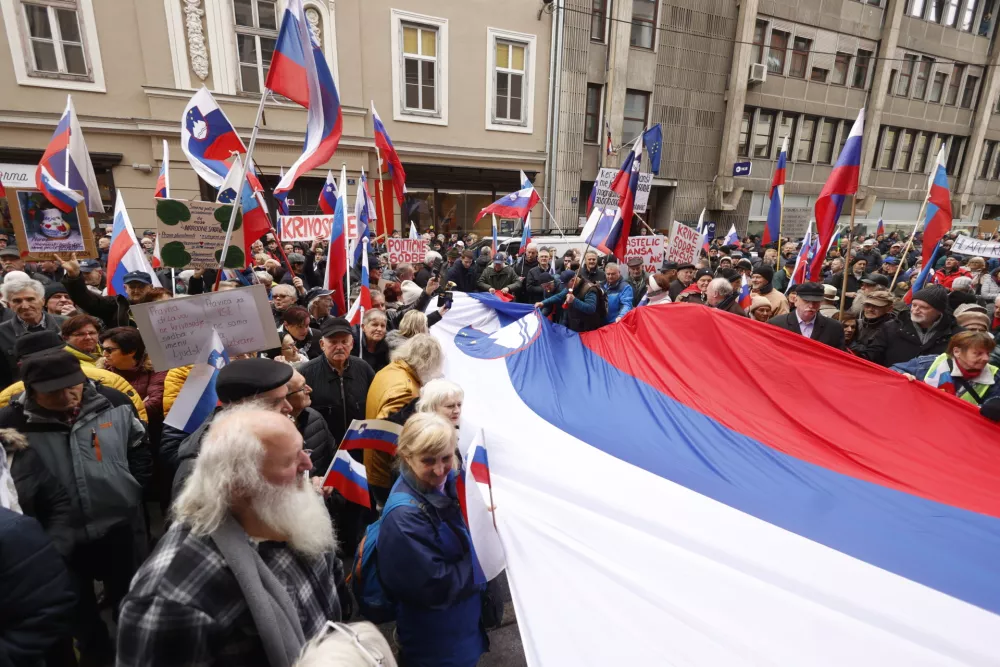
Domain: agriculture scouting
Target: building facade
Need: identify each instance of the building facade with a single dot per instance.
(462, 88)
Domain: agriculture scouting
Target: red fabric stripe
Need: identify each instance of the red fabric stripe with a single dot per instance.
(287, 77)
(365, 443)
(803, 398)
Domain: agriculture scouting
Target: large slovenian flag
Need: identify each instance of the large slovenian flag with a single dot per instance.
(125, 254)
(515, 205)
(336, 261)
(387, 152)
(626, 184)
(209, 140)
(842, 183)
(938, 218)
(349, 478)
(163, 180)
(197, 398)
(378, 434)
(772, 229)
(299, 72)
(68, 163)
(776, 534)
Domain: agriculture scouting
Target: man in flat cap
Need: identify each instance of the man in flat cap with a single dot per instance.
(261, 380)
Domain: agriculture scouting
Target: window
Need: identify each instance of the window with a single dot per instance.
(786, 128)
(806, 138)
(951, 13)
(889, 140)
(906, 149)
(923, 73)
(827, 133)
(256, 33)
(841, 66)
(905, 75)
(744, 147)
(936, 11)
(592, 121)
(937, 87)
(55, 40)
(636, 110)
(845, 131)
(800, 56)
(643, 23)
(955, 84)
(759, 36)
(988, 150)
(956, 155)
(776, 54)
(916, 8)
(969, 15)
(819, 75)
(969, 94)
(861, 69)
(419, 57)
(919, 153)
(420, 67)
(598, 20)
(509, 92)
(762, 134)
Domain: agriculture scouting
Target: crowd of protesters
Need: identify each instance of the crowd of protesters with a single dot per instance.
(129, 541)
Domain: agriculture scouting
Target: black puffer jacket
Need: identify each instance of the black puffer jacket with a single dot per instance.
(339, 398)
(867, 330)
(897, 341)
(317, 439)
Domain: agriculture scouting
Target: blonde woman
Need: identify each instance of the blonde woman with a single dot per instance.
(424, 553)
(414, 322)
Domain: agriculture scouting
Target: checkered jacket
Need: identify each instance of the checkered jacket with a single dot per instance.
(186, 608)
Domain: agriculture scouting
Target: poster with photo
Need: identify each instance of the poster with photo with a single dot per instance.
(43, 231)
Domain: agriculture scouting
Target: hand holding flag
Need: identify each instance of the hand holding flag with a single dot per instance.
(349, 478)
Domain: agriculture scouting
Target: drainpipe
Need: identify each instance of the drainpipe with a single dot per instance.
(551, 114)
(554, 150)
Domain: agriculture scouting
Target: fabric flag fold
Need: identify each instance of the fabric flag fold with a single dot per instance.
(388, 154)
(362, 213)
(336, 261)
(68, 163)
(349, 478)
(772, 228)
(842, 183)
(525, 183)
(515, 205)
(378, 434)
(281, 199)
(56, 193)
(163, 180)
(653, 140)
(197, 398)
(354, 314)
(256, 222)
(125, 254)
(938, 216)
(328, 195)
(600, 227)
(299, 72)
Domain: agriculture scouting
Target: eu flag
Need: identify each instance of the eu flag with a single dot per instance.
(653, 140)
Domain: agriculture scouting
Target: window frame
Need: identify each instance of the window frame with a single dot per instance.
(969, 94)
(989, 150)
(529, 42)
(907, 68)
(862, 65)
(759, 46)
(599, 16)
(904, 164)
(770, 133)
(805, 137)
(921, 146)
(911, 11)
(744, 148)
(587, 114)
(397, 18)
(645, 121)
(823, 79)
(847, 58)
(801, 56)
(926, 66)
(654, 27)
(257, 33)
(941, 91)
(772, 49)
(955, 84)
(886, 149)
(971, 10)
(834, 125)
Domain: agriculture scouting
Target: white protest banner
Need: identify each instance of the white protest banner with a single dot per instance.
(966, 245)
(307, 228)
(176, 330)
(795, 223)
(605, 197)
(649, 248)
(191, 234)
(411, 251)
(685, 244)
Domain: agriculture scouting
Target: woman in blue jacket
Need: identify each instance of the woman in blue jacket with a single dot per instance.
(424, 552)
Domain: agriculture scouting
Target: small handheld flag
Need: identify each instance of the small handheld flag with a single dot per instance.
(732, 238)
(163, 180)
(746, 300)
(474, 494)
(880, 230)
(125, 253)
(349, 478)
(378, 434)
(328, 195)
(336, 263)
(414, 234)
(197, 398)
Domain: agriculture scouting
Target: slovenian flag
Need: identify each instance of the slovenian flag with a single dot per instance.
(256, 222)
(474, 497)
(802, 261)
(336, 261)
(600, 227)
(732, 238)
(938, 216)
(515, 205)
(197, 398)
(626, 184)
(125, 254)
(209, 140)
(772, 229)
(378, 434)
(349, 478)
(880, 230)
(362, 214)
(328, 195)
(745, 299)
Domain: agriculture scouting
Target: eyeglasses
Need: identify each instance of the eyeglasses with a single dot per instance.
(371, 653)
(83, 334)
(109, 350)
(307, 389)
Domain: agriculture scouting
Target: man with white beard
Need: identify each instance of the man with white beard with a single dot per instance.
(247, 572)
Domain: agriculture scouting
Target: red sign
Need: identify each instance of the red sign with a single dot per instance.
(411, 251)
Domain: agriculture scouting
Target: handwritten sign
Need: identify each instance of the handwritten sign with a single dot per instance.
(605, 197)
(966, 245)
(649, 248)
(685, 244)
(191, 234)
(412, 251)
(795, 222)
(309, 228)
(176, 330)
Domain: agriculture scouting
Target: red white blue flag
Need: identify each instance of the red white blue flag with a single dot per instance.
(732, 238)
(336, 261)
(515, 205)
(68, 163)
(363, 215)
(600, 227)
(842, 183)
(880, 230)
(163, 180)
(349, 478)
(328, 195)
(799, 273)
(626, 184)
(378, 434)
(299, 72)
(387, 153)
(746, 299)
(58, 195)
(256, 221)
(938, 218)
(125, 254)
(210, 141)
(772, 229)
(198, 398)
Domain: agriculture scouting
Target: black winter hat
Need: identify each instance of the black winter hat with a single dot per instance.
(54, 370)
(764, 271)
(52, 289)
(246, 378)
(35, 342)
(934, 296)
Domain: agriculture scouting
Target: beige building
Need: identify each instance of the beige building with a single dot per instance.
(462, 88)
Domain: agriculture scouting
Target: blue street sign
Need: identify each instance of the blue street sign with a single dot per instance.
(742, 168)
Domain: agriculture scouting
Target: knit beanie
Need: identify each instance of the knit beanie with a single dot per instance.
(934, 296)
(758, 302)
(765, 272)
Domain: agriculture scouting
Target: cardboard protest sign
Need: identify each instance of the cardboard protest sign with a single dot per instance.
(795, 222)
(191, 234)
(176, 330)
(966, 245)
(605, 197)
(649, 248)
(412, 251)
(43, 231)
(685, 244)
(308, 228)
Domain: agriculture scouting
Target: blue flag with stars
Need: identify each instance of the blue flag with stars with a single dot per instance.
(653, 140)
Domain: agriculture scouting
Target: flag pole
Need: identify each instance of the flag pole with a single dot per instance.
(239, 189)
(909, 244)
(347, 244)
(850, 239)
(69, 132)
(381, 206)
(648, 228)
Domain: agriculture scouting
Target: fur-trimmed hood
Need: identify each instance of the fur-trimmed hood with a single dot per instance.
(13, 440)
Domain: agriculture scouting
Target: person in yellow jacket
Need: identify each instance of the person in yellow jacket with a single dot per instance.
(176, 377)
(393, 393)
(44, 340)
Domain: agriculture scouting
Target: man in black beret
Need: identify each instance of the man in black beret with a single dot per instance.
(261, 380)
(807, 321)
(924, 329)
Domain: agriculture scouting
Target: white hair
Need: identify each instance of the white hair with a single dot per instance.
(282, 289)
(531, 246)
(612, 265)
(720, 287)
(437, 392)
(338, 649)
(12, 287)
(373, 314)
(432, 256)
(423, 354)
(962, 284)
(16, 275)
(264, 277)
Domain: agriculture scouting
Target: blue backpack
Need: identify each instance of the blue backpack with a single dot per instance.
(373, 602)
